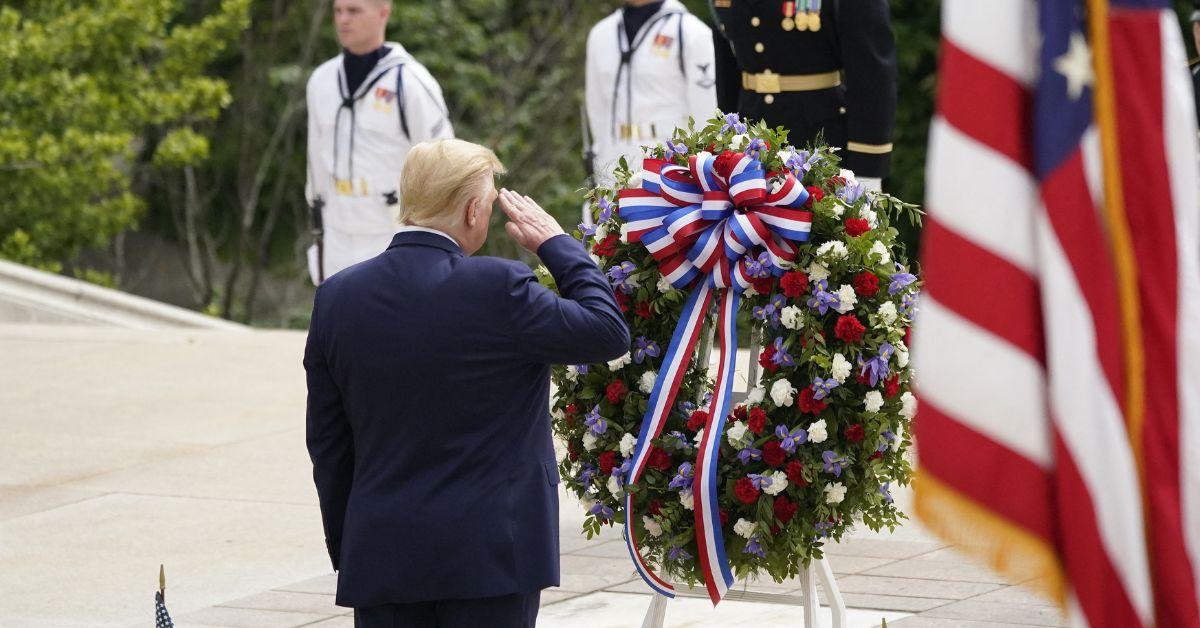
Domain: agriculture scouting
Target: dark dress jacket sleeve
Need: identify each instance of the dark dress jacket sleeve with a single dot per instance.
(868, 50)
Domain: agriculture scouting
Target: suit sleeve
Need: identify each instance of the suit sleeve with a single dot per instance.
(330, 441)
(729, 75)
(699, 70)
(869, 59)
(428, 116)
(582, 326)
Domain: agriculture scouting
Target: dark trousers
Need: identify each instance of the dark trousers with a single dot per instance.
(508, 611)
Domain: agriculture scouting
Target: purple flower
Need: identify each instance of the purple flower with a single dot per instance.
(900, 281)
(601, 511)
(821, 300)
(586, 230)
(851, 192)
(885, 440)
(678, 553)
(674, 150)
(877, 367)
(801, 162)
(732, 121)
(683, 478)
(822, 387)
(760, 267)
(772, 311)
(605, 210)
(582, 369)
(587, 473)
(833, 463)
(760, 481)
(644, 348)
(887, 496)
(756, 148)
(788, 441)
(595, 422)
(619, 275)
(748, 454)
(823, 528)
(687, 408)
(753, 547)
(680, 440)
(622, 472)
(908, 303)
(781, 357)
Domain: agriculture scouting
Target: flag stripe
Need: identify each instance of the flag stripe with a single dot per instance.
(984, 103)
(992, 32)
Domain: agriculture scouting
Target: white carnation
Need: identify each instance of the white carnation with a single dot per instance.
(625, 233)
(779, 482)
(908, 405)
(614, 486)
(785, 154)
(698, 437)
(601, 232)
(646, 384)
(870, 216)
(572, 373)
(901, 354)
(817, 433)
(738, 141)
(846, 299)
(841, 368)
(887, 313)
(620, 363)
(589, 441)
(834, 249)
(736, 433)
(899, 434)
(635, 181)
(792, 317)
(880, 251)
(835, 492)
(782, 393)
(664, 285)
(652, 526)
(817, 271)
(755, 396)
(874, 401)
(848, 175)
(628, 444)
(744, 529)
(685, 498)
(838, 209)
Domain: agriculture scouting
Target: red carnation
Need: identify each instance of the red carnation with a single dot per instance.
(570, 409)
(892, 387)
(607, 246)
(757, 421)
(815, 196)
(724, 163)
(622, 301)
(863, 378)
(794, 283)
(616, 392)
(857, 226)
(795, 473)
(809, 403)
(745, 491)
(773, 454)
(608, 460)
(875, 456)
(655, 507)
(697, 420)
(866, 284)
(764, 359)
(643, 309)
(855, 433)
(775, 529)
(739, 413)
(848, 329)
(785, 509)
(572, 452)
(763, 285)
(659, 459)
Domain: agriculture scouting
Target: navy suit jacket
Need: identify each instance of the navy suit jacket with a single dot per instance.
(428, 415)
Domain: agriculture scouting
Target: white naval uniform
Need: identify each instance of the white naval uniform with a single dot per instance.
(669, 78)
(355, 155)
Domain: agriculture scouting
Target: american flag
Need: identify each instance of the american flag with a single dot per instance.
(1058, 347)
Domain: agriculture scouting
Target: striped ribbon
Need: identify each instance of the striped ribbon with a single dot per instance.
(703, 223)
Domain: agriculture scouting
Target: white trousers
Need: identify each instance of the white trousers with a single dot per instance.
(347, 249)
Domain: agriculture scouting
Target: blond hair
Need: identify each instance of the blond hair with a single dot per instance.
(440, 177)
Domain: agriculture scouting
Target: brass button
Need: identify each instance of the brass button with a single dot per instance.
(769, 98)
(841, 110)
(754, 21)
(758, 47)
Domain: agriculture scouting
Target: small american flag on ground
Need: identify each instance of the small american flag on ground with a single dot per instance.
(162, 619)
(1058, 348)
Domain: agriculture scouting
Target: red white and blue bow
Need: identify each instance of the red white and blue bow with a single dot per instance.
(703, 224)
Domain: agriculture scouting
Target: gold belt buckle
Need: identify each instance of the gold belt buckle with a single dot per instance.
(344, 187)
(767, 83)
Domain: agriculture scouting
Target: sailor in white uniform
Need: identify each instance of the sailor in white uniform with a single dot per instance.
(366, 108)
(649, 68)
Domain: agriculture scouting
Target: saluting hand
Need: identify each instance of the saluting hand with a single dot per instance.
(530, 225)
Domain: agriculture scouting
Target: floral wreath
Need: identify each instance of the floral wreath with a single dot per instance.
(729, 223)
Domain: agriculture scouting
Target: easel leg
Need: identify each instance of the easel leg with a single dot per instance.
(832, 593)
(657, 613)
(811, 604)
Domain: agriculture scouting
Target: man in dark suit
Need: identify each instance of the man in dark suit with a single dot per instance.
(814, 67)
(428, 402)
